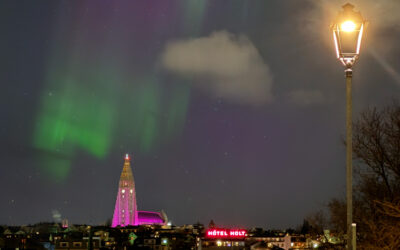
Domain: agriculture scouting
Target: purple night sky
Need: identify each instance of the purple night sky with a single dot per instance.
(231, 110)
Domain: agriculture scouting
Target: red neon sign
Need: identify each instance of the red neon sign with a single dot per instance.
(226, 233)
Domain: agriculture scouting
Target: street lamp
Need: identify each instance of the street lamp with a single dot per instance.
(347, 32)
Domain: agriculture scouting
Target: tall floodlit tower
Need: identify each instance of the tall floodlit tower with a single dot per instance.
(125, 212)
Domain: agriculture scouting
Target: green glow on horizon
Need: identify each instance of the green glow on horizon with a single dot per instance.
(75, 118)
(92, 101)
(72, 118)
(146, 114)
(56, 168)
(152, 117)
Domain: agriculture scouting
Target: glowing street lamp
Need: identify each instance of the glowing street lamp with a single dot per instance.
(347, 34)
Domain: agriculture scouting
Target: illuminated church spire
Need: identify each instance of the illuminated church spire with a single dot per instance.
(125, 212)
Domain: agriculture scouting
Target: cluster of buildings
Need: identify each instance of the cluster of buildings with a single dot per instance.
(133, 229)
(49, 236)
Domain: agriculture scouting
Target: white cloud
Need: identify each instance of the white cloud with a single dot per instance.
(305, 97)
(226, 65)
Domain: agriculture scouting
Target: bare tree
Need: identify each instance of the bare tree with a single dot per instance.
(317, 222)
(337, 212)
(376, 147)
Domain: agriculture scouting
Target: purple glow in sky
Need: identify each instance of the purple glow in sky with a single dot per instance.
(235, 110)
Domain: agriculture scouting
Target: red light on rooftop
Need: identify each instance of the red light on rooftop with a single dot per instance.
(127, 157)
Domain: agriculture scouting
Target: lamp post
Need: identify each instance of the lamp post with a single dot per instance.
(347, 32)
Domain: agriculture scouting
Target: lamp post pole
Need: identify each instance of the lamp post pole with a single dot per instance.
(347, 35)
(349, 165)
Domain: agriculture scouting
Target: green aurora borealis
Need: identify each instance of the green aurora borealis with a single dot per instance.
(84, 82)
(88, 100)
(75, 117)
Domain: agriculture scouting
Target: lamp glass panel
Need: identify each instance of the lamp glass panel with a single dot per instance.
(348, 42)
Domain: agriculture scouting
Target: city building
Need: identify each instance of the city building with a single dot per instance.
(78, 244)
(223, 238)
(125, 212)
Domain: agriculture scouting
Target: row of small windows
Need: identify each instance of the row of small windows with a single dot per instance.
(123, 191)
(74, 244)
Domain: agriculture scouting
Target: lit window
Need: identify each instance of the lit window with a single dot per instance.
(131, 190)
(64, 244)
(77, 244)
(123, 191)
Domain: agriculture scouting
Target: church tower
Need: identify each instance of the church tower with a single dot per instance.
(125, 212)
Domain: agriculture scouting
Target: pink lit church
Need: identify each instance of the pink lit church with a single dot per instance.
(125, 212)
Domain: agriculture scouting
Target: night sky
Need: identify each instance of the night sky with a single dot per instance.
(232, 110)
